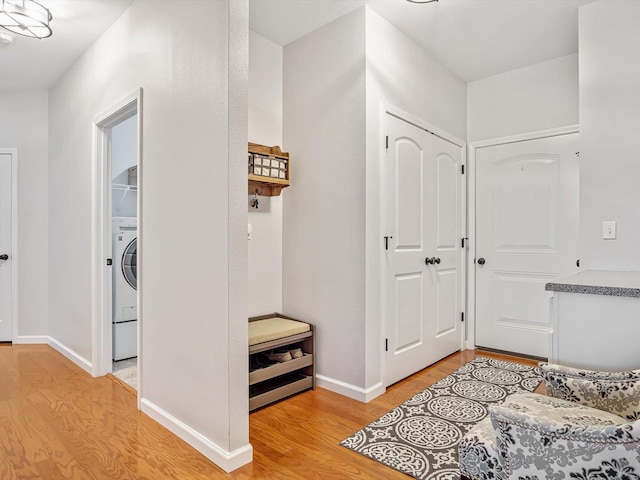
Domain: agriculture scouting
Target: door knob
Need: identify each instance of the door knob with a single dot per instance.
(429, 261)
(4, 256)
(436, 260)
(481, 261)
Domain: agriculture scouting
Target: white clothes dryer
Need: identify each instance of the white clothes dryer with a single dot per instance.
(125, 284)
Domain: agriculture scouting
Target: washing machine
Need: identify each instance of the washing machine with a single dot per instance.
(125, 285)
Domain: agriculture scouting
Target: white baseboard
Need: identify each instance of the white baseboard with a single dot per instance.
(351, 391)
(228, 461)
(70, 354)
(30, 340)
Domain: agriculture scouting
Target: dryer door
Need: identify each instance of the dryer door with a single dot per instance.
(129, 264)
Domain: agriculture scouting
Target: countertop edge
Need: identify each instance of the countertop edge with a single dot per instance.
(592, 289)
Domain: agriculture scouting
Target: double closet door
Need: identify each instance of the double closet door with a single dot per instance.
(423, 256)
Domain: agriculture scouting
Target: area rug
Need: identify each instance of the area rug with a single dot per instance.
(421, 436)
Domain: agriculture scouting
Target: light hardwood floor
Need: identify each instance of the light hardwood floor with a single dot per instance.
(57, 422)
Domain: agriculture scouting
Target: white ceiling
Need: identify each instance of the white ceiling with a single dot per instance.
(473, 38)
(29, 63)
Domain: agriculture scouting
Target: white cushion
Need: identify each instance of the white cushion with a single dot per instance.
(268, 329)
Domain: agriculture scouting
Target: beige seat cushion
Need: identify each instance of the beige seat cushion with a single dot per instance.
(261, 331)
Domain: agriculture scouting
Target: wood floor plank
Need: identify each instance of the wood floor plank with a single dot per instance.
(57, 422)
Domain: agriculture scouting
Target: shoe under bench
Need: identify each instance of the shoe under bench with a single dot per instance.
(270, 383)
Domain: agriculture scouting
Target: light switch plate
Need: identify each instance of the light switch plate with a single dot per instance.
(609, 230)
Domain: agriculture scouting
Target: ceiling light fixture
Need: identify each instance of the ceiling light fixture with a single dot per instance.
(5, 39)
(422, 1)
(25, 17)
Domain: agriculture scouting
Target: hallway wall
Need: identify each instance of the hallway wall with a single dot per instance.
(24, 125)
(324, 226)
(192, 252)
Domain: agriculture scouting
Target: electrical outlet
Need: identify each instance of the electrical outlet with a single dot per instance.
(609, 230)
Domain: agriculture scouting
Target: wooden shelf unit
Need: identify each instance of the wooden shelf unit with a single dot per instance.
(281, 380)
(265, 185)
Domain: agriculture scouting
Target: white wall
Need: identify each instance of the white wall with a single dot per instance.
(265, 90)
(402, 74)
(24, 125)
(609, 43)
(324, 211)
(530, 99)
(265, 127)
(190, 57)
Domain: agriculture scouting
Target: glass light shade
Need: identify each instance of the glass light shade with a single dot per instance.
(25, 17)
(5, 39)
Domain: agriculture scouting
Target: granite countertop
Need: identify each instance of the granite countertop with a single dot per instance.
(599, 282)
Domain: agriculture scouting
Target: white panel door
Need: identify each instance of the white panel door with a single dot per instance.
(526, 236)
(6, 276)
(423, 197)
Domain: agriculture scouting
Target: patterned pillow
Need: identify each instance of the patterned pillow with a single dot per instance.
(547, 438)
(615, 392)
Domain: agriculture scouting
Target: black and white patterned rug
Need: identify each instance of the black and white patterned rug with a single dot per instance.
(421, 436)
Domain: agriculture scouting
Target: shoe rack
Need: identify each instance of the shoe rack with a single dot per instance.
(270, 382)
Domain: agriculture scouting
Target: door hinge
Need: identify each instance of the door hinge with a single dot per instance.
(463, 241)
(462, 316)
(578, 263)
(386, 143)
(462, 169)
(386, 344)
(386, 242)
(109, 261)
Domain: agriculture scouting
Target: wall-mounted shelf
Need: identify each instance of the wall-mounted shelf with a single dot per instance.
(122, 195)
(269, 170)
(125, 188)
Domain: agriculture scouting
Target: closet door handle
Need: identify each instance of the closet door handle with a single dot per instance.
(429, 261)
(4, 256)
(481, 261)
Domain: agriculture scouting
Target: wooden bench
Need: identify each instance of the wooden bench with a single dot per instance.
(269, 383)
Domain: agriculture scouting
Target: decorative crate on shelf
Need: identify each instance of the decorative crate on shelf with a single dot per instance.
(269, 170)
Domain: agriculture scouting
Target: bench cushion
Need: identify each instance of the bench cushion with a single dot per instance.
(268, 329)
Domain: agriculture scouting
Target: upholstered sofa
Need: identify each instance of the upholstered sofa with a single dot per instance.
(586, 428)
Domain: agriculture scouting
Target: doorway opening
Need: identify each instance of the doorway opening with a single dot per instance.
(123, 160)
(117, 228)
(8, 244)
